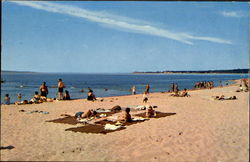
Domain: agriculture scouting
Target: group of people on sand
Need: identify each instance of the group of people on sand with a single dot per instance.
(204, 84)
(174, 87)
(183, 94)
(123, 118)
(42, 96)
(92, 114)
(246, 84)
(145, 93)
(133, 89)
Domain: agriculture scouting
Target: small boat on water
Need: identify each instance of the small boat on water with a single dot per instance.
(2, 81)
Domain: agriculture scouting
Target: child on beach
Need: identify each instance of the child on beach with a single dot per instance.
(7, 99)
(133, 90)
(150, 112)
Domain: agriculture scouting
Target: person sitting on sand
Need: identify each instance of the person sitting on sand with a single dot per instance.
(125, 117)
(150, 112)
(36, 98)
(7, 99)
(91, 96)
(185, 93)
(66, 95)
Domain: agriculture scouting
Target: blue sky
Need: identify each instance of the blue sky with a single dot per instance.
(101, 37)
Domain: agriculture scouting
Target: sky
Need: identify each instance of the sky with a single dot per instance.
(123, 37)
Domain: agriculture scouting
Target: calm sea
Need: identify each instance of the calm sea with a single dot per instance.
(115, 84)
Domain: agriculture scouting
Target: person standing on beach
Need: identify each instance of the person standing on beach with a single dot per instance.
(60, 89)
(44, 90)
(133, 90)
(172, 87)
(176, 87)
(147, 88)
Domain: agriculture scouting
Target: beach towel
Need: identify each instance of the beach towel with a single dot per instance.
(103, 115)
(137, 107)
(139, 119)
(100, 110)
(112, 127)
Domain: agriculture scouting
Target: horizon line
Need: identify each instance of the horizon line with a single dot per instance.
(20, 71)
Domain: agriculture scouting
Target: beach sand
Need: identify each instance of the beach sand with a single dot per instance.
(202, 129)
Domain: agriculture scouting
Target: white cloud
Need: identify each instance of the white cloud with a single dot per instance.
(117, 22)
(235, 14)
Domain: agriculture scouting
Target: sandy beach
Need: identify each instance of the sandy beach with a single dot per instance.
(202, 129)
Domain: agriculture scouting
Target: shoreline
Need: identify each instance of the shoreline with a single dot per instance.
(193, 89)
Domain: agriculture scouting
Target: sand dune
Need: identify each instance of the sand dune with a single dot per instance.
(201, 130)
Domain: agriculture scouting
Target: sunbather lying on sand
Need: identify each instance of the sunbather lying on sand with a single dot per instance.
(125, 117)
(222, 97)
(88, 114)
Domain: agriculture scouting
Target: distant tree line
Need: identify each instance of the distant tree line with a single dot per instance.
(203, 71)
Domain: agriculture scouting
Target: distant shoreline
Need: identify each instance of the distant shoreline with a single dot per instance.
(232, 71)
(19, 72)
(187, 73)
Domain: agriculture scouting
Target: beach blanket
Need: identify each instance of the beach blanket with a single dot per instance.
(112, 127)
(90, 128)
(139, 119)
(100, 110)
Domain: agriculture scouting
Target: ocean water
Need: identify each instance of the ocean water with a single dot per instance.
(116, 84)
